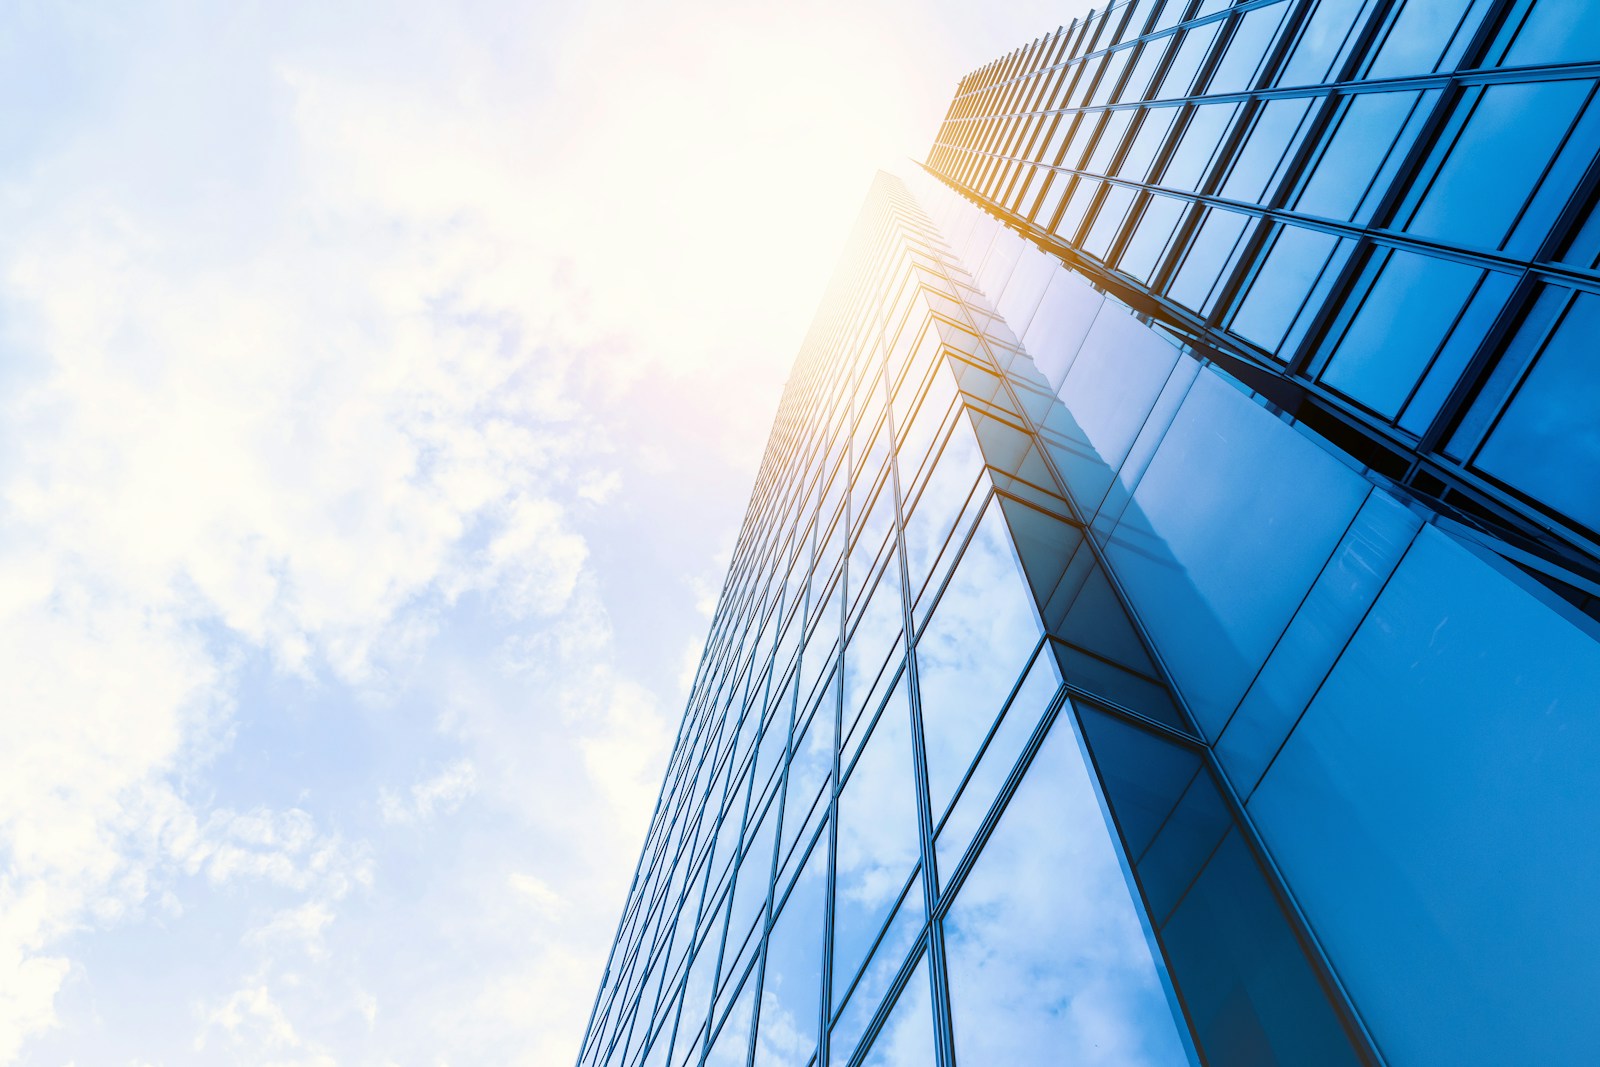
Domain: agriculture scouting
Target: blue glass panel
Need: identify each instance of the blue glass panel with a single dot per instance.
(1147, 142)
(809, 770)
(941, 501)
(1049, 962)
(1556, 31)
(1350, 173)
(1487, 302)
(906, 1039)
(1434, 811)
(1112, 130)
(1324, 38)
(1000, 755)
(1276, 133)
(1332, 610)
(873, 644)
(792, 988)
(1064, 317)
(1154, 229)
(1278, 296)
(1245, 981)
(1210, 258)
(876, 977)
(1214, 565)
(1427, 35)
(1403, 319)
(731, 1047)
(1553, 415)
(1189, 162)
(971, 653)
(1246, 50)
(1192, 50)
(878, 842)
(1496, 161)
(1113, 384)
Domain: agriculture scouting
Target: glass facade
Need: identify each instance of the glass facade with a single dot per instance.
(1162, 630)
(1378, 213)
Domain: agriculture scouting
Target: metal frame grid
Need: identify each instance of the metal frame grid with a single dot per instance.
(1182, 153)
(905, 363)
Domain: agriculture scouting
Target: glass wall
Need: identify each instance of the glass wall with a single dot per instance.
(1389, 206)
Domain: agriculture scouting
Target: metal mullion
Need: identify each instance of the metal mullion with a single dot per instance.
(944, 1049)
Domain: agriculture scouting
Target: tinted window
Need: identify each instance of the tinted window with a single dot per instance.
(1497, 158)
(1548, 441)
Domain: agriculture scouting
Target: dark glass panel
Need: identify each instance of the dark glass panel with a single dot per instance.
(1249, 990)
(1547, 443)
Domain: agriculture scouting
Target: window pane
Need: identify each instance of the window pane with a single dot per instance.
(969, 657)
(1403, 320)
(1350, 173)
(1556, 31)
(876, 977)
(1497, 160)
(1276, 133)
(1000, 755)
(1427, 35)
(1300, 263)
(1048, 958)
(1322, 42)
(906, 1039)
(1548, 441)
(791, 992)
(878, 841)
(1246, 50)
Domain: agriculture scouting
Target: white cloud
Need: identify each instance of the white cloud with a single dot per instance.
(443, 793)
(317, 330)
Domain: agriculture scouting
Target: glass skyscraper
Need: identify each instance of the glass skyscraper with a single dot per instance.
(1164, 625)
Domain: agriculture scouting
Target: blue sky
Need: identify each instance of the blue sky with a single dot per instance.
(380, 387)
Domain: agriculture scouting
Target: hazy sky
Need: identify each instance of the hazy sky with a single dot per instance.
(380, 389)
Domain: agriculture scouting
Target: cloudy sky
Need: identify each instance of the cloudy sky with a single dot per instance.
(380, 388)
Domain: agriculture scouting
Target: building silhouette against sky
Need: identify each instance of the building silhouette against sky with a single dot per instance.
(1164, 625)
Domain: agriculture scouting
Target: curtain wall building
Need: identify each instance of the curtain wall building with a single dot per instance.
(1163, 630)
